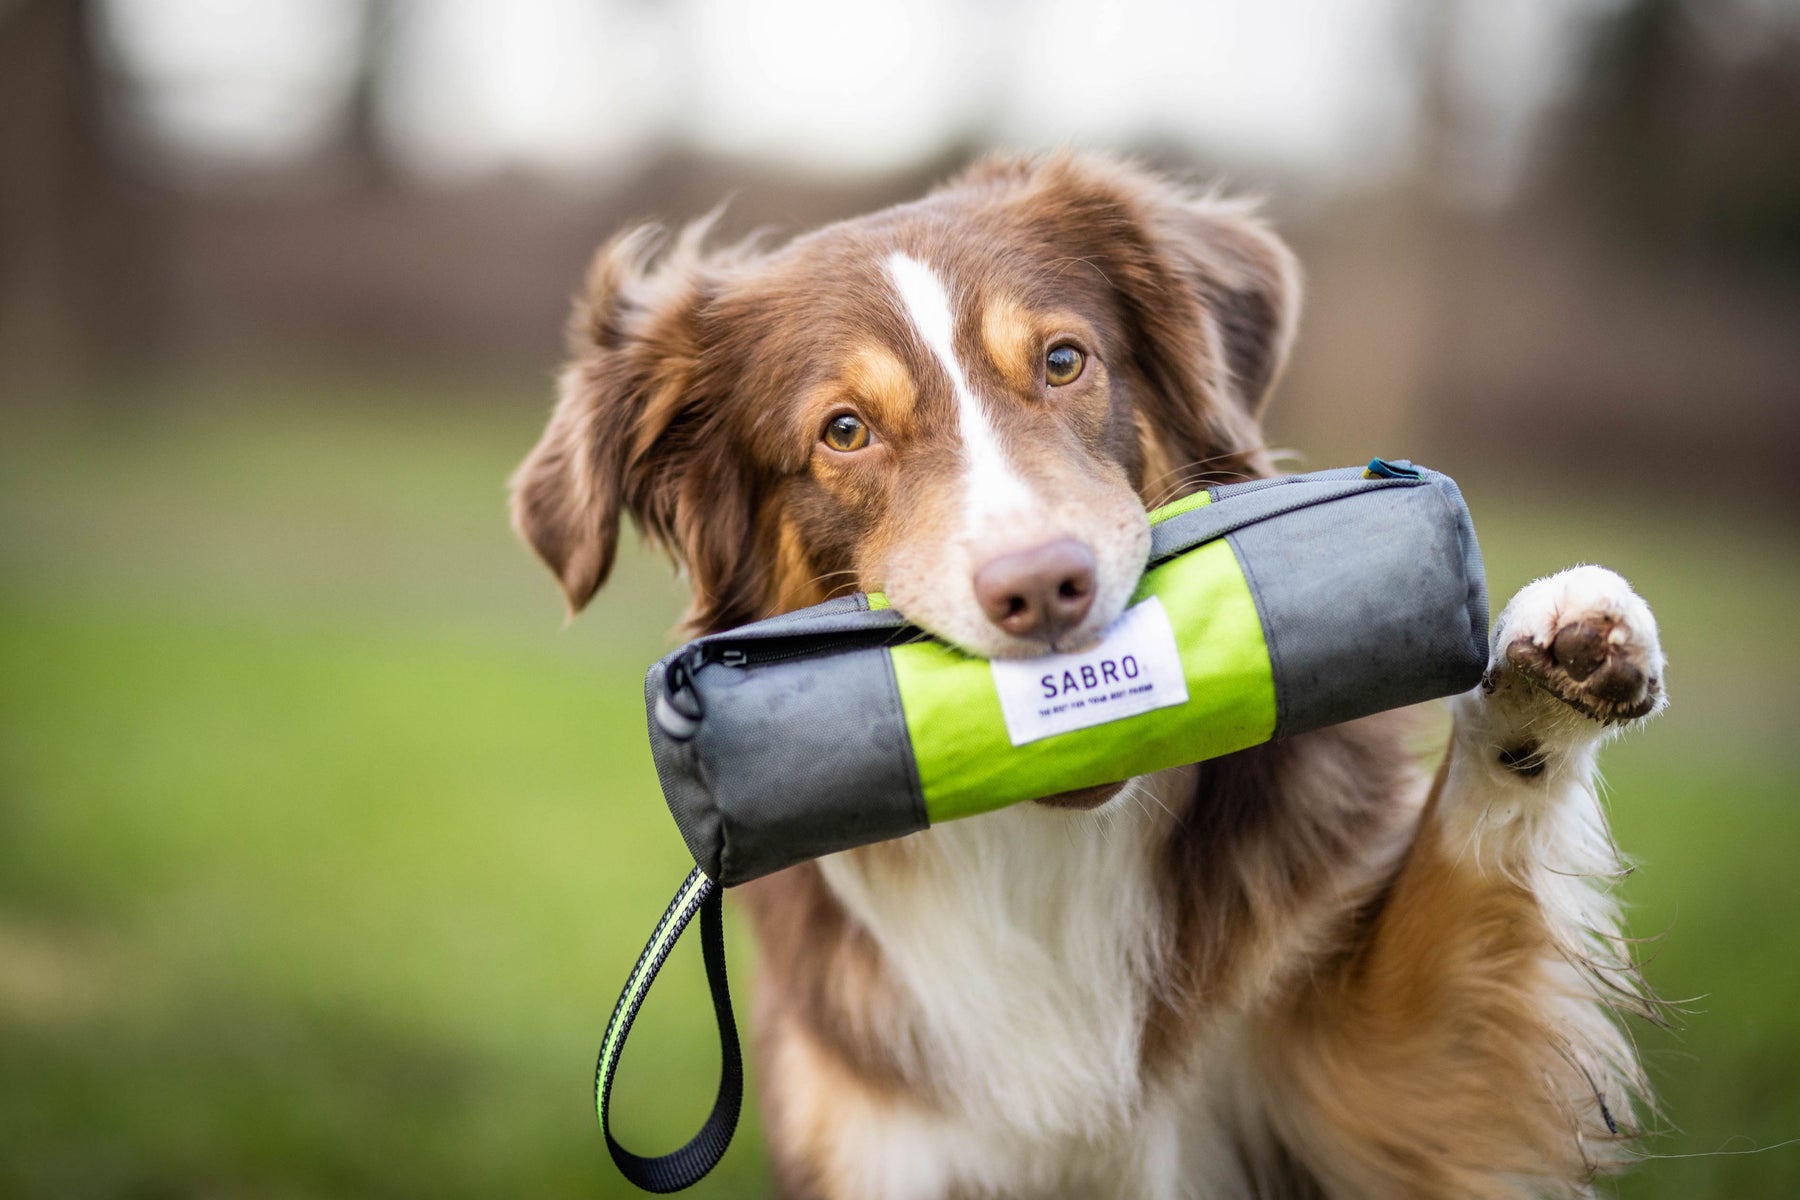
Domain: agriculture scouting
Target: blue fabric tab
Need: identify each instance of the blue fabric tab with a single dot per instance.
(1381, 468)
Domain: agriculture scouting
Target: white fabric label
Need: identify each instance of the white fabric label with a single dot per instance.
(1133, 669)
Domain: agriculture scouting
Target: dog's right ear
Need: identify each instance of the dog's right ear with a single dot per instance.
(634, 348)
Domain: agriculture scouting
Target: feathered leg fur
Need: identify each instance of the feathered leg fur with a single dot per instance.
(1469, 1045)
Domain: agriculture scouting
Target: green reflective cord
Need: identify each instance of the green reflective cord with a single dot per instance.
(637, 984)
(683, 1167)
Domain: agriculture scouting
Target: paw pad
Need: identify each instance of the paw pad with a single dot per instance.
(1591, 664)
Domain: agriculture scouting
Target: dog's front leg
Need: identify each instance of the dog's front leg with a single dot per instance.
(1468, 1046)
(1573, 659)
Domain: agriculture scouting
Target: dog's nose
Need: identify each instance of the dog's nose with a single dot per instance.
(1038, 593)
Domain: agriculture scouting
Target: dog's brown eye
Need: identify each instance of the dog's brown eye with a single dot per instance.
(846, 433)
(1063, 365)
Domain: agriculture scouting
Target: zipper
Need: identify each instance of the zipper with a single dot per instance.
(679, 709)
(731, 656)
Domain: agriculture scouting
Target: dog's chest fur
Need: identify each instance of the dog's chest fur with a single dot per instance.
(1028, 928)
(1039, 1002)
(1028, 945)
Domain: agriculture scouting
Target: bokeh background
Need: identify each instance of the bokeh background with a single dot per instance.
(324, 847)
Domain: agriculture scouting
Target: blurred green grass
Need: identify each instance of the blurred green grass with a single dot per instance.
(324, 848)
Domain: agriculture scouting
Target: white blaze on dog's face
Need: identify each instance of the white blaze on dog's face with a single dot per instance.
(965, 402)
(1042, 539)
(993, 489)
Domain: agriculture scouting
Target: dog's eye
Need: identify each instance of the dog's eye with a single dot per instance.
(1063, 365)
(846, 433)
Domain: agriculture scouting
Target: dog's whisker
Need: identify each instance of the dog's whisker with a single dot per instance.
(1186, 475)
(819, 580)
(1191, 464)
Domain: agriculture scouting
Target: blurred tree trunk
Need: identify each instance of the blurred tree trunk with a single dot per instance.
(67, 271)
(1408, 268)
(362, 137)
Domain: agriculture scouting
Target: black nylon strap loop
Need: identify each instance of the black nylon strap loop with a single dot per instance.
(686, 1166)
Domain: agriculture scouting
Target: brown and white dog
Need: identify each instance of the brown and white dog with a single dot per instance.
(1302, 970)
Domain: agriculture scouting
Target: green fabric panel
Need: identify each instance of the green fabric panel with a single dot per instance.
(968, 764)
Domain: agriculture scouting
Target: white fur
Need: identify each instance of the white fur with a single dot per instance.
(994, 490)
(904, 1154)
(1027, 939)
(1507, 819)
(1026, 927)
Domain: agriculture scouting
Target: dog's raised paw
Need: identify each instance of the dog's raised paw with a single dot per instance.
(1586, 639)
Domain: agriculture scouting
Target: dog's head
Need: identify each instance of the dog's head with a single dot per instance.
(966, 401)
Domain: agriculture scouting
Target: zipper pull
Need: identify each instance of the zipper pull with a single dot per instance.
(679, 707)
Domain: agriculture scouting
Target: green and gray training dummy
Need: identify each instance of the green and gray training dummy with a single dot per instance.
(1268, 608)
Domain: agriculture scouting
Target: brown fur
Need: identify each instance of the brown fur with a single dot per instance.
(1397, 1017)
(1426, 1061)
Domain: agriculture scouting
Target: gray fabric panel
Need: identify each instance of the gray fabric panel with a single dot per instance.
(792, 761)
(1259, 500)
(1474, 567)
(1368, 614)
(1227, 490)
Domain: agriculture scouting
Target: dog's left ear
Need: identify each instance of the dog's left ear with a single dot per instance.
(1247, 282)
(1206, 286)
(1212, 298)
(1209, 294)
